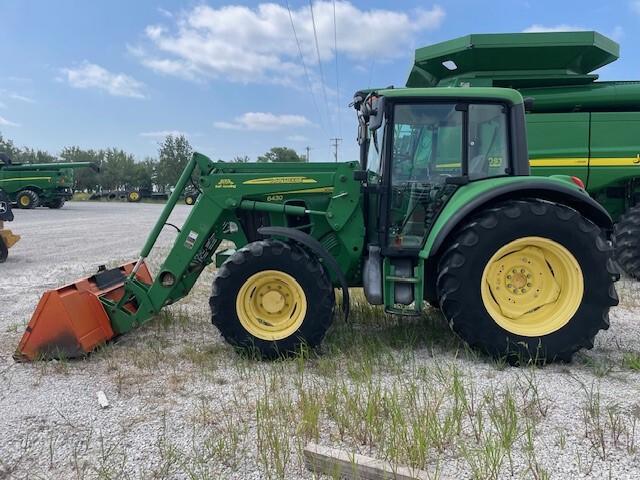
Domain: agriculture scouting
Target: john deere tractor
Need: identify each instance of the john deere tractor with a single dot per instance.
(577, 125)
(30, 185)
(440, 208)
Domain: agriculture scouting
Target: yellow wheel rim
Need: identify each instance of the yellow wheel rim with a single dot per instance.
(532, 286)
(134, 196)
(271, 305)
(189, 200)
(25, 201)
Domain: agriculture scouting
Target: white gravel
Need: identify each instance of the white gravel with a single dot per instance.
(162, 404)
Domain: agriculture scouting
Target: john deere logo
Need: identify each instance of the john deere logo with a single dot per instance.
(225, 183)
(279, 181)
(3, 207)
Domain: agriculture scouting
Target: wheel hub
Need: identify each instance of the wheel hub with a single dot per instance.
(532, 286)
(271, 305)
(273, 302)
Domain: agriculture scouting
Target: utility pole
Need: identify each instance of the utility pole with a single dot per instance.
(307, 148)
(334, 143)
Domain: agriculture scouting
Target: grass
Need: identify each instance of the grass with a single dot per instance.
(403, 390)
(631, 361)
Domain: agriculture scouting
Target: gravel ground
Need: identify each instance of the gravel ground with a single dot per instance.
(184, 405)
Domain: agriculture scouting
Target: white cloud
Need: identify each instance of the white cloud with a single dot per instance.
(635, 6)
(90, 75)
(6, 123)
(297, 138)
(563, 27)
(264, 121)
(246, 45)
(21, 98)
(164, 133)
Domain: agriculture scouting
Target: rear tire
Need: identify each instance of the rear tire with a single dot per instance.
(4, 251)
(56, 203)
(272, 298)
(27, 199)
(626, 241)
(563, 285)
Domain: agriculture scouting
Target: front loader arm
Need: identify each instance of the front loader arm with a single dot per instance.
(76, 318)
(213, 219)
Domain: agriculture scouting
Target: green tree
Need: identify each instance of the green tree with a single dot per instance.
(281, 154)
(241, 159)
(24, 155)
(143, 174)
(173, 155)
(86, 179)
(7, 147)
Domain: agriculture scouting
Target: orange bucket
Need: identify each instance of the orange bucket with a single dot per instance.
(71, 321)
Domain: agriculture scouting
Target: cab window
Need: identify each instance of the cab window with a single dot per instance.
(487, 145)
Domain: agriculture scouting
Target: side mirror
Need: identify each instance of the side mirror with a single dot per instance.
(377, 114)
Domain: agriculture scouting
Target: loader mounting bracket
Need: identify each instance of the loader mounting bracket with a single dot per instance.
(316, 247)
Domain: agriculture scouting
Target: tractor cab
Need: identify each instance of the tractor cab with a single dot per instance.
(419, 146)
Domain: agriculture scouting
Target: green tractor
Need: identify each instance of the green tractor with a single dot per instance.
(577, 125)
(440, 208)
(30, 185)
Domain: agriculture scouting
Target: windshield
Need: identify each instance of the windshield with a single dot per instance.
(428, 142)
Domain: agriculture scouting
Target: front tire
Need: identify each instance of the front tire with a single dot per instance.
(528, 281)
(272, 298)
(626, 241)
(27, 199)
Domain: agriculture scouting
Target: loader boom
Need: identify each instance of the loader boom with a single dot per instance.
(322, 196)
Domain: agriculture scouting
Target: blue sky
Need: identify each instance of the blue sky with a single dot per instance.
(123, 73)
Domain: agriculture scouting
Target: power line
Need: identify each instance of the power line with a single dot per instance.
(335, 49)
(324, 90)
(306, 72)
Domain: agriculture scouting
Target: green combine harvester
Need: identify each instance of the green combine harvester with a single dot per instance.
(440, 208)
(577, 125)
(30, 185)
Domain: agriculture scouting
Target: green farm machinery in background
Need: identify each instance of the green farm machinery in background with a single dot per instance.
(29, 185)
(576, 125)
(440, 208)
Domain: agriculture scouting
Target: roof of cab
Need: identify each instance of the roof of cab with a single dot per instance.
(483, 93)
